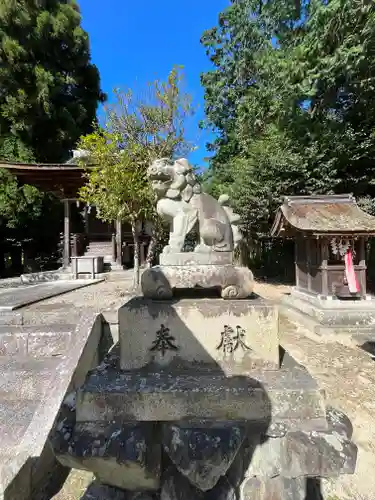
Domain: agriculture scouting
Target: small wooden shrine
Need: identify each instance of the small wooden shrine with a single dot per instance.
(330, 234)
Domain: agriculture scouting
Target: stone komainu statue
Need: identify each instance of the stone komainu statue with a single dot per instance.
(181, 202)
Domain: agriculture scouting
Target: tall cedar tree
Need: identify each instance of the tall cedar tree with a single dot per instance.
(49, 90)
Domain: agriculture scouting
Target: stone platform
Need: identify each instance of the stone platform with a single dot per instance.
(39, 364)
(332, 317)
(199, 401)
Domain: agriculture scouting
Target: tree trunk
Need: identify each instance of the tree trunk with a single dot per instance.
(136, 254)
(151, 250)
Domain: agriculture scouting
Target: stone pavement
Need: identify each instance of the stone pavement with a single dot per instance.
(107, 294)
(18, 295)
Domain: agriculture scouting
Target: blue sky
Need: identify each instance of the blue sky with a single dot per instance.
(133, 42)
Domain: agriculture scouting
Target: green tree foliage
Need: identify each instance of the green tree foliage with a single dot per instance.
(291, 97)
(49, 90)
(139, 128)
(26, 219)
(18, 204)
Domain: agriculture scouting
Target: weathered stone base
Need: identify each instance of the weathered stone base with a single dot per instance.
(209, 460)
(288, 395)
(186, 428)
(204, 436)
(233, 282)
(123, 455)
(331, 317)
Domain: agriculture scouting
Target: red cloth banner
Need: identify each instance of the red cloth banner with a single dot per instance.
(350, 273)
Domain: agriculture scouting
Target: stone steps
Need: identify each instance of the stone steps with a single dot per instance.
(99, 250)
(100, 244)
(107, 258)
(99, 253)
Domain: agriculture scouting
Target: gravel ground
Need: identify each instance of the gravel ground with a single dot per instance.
(344, 370)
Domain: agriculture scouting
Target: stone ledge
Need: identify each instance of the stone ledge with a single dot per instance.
(317, 454)
(70, 372)
(36, 341)
(290, 395)
(298, 453)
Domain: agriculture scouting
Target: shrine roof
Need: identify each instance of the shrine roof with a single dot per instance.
(319, 215)
(62, 179)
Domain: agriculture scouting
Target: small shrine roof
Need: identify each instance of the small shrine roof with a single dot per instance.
(62, 179)
(319, 215)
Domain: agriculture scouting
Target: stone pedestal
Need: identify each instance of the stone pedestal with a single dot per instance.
(332, 317)
(234, 337)
(198, 402)
(290, 397)
(189, 270)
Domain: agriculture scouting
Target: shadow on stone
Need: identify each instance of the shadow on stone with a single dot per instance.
(368, 347)
(313, 489)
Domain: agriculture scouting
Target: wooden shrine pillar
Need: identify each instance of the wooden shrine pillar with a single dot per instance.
(362, 266)
(86, 219)
(66, 239)
(324, 245)
(308, 261)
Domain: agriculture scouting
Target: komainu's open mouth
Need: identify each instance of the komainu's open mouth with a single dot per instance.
(159, 177)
